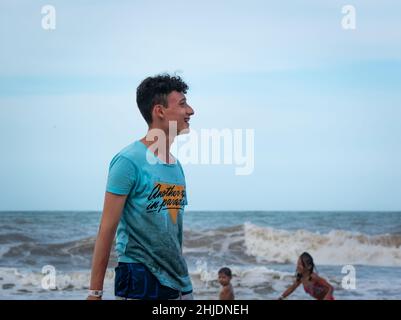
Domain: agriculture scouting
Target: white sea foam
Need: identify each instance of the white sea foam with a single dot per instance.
(248, 282)
(337, 247)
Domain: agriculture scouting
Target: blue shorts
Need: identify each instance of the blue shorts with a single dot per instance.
(135, 281)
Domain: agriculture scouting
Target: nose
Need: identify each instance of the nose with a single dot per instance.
(190, 111)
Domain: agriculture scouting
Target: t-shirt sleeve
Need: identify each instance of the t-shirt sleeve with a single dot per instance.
(122, 176)
(185, 185)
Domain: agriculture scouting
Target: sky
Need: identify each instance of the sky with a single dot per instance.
(324, 102)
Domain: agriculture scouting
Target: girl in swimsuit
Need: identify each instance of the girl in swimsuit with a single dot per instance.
(314, 285)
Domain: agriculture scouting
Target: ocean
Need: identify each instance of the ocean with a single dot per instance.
(261, 248)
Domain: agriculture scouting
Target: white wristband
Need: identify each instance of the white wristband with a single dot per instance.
(95, 293)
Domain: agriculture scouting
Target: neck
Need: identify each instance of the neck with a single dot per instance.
(159, 142)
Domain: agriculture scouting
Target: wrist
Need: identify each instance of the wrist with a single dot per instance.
(95, 293)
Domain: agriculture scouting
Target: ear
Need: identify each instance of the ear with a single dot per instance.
(158, 111)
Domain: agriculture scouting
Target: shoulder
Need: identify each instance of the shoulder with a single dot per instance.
(134, 153)
(226, 293)
(227, 288)
(298, 282)
(314, 275)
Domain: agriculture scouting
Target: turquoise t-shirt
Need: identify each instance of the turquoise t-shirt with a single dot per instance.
(150, 228)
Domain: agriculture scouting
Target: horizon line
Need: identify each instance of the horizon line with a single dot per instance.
(211, 210)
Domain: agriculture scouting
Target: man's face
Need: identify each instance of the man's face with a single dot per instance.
(178, 110)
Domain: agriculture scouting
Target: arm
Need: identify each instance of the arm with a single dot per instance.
(113, 206)
(290, 290)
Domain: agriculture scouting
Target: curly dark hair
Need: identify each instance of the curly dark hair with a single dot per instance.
(154, 90)
(226, 271)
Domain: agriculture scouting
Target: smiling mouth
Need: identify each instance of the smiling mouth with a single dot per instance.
(186, 120)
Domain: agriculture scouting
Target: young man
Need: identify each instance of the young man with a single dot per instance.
(144, 202)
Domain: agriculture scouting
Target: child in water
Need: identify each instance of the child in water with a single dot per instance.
(227, 291)
(314, 285)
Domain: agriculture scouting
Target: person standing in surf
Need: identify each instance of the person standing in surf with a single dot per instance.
(314, 285)
(227, 291)
(144, 203)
